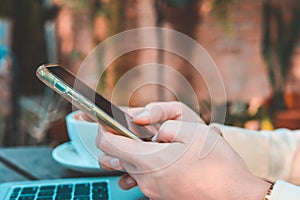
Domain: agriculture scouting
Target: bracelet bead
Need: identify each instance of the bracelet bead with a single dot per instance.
(267, 197)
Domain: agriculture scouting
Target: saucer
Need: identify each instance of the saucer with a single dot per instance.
(66, 155)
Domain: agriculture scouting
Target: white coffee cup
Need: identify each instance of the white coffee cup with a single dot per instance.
(83, 136)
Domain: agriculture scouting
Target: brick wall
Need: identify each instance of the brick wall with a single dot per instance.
(236, 50)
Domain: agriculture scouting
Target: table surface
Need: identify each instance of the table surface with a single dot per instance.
(35, 163)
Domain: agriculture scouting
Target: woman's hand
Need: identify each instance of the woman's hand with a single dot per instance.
(188, 160)
(153, 114)
(159, 112)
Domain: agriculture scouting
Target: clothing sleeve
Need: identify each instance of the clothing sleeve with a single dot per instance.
(285, 191)
(270, 155)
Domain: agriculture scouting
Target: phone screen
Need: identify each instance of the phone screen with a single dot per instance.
(113, 111)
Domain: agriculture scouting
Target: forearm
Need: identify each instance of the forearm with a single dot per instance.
(270, 155)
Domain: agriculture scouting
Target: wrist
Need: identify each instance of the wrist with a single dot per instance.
(268, 195)
(260, 190)
(252, 188)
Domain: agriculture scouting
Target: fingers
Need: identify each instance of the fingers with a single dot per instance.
(158, 112)
(162, 111)
(134, 111)
(131, 153)
(110, 163)
(126, 182)
(176, 131)
(118, 146)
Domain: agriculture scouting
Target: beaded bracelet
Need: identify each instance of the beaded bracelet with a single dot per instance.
(267, 197)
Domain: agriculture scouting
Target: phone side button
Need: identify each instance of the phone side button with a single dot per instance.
(60, 87)
(72, 97)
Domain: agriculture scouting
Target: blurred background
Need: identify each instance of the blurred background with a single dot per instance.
(254, 43)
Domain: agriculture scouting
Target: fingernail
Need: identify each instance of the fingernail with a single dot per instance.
(153, 139)
(79, 117)
(114, 162)
(129, 181)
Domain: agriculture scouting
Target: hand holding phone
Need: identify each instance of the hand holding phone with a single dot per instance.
(89, 101)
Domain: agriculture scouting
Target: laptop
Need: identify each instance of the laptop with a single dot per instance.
(102, 188)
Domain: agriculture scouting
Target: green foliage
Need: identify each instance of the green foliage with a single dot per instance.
(221, 12)
(180, 3)
(280, 37)
(115, 15)
(92, 7)
(78, 5)
(237, 112)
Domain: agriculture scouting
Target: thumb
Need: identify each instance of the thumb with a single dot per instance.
(175, 131)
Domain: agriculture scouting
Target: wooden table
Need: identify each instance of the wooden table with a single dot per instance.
(35, 163)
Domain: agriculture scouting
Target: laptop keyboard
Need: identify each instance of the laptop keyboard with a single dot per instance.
(78, 191)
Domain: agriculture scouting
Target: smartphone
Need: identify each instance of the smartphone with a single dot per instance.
(89, 101)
